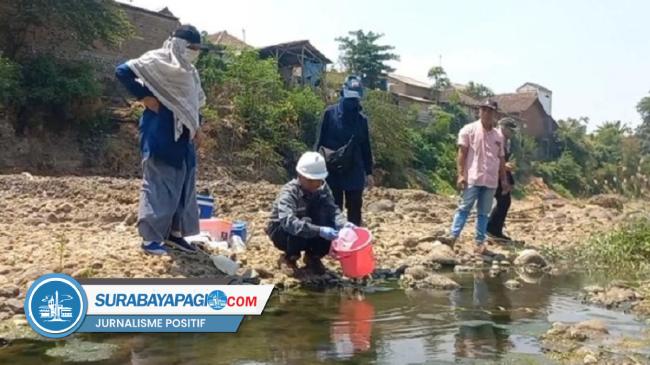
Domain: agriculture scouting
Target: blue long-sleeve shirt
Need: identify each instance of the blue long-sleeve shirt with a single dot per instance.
(335, 132)
(157, 129)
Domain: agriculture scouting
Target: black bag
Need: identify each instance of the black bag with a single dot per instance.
(341, 160)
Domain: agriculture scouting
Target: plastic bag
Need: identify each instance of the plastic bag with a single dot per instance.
(347, 237)
(237, 244)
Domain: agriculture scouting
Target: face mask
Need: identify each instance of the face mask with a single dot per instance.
(192, 55)
(350, 105)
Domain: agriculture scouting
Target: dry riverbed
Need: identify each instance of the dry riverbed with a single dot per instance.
(85, 227)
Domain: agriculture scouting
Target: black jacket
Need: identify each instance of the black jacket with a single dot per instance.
(302, 214)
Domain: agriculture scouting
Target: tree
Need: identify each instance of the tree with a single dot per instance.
(80, 20)
(439, 77)
(643, 131)
(608, 141)
(571, 136)
(363, 56)
(42, 81)
(478, 91)
(643, 107)
(254, 119)
(389, 130)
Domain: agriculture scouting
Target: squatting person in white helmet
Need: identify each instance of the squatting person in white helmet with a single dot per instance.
(305, 217)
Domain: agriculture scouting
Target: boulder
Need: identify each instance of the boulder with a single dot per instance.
(419, 260)
(426, 247)
(512, 284)
(411, 242)
(430, 281)
(592, 326)
(418, 272)
(416, 207)
(263, 272)
(528, 257)
(27, 176)
(430, 239)
(590, 359)
(577, 332)
(65, 208)
(463, 268)
(13, 305)
(31, 273)
(614, 296)
(131, 219)
(436, 281)
(608, 201)
(53, 218)
(4, 316)
(594, 289)
(442, 254)
(9, 291)
(380, 206)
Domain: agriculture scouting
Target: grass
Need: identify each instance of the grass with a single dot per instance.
(61, 244)
(626, 248)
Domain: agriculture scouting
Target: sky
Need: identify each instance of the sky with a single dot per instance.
(593, 55)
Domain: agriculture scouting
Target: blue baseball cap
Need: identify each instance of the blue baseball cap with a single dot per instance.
(352, 88)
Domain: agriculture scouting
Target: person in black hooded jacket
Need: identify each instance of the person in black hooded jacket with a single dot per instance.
(344, 123)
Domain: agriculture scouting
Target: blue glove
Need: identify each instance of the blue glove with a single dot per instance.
(327, 233)
(349, 225)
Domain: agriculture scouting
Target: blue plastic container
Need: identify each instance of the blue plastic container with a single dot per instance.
(239, 229)
(206, 206)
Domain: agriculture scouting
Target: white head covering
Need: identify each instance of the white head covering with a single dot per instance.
(174, 81)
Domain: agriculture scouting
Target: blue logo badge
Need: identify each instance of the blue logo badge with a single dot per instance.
(217, 300)
(55, 305)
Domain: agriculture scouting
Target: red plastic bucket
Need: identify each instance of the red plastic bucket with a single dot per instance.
(356, 257)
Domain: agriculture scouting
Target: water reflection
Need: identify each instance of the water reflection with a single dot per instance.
(483, 322)
(351, 332)
(480, 322)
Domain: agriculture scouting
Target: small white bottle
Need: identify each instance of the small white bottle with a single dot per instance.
(224, 264)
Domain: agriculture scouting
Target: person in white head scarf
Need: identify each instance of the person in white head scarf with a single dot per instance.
(167, 83)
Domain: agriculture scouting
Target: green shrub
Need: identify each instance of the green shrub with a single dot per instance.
(390, 136)
(47, 92)
(10, 82)
(434, 146)
(212, 70)
(269, 125)
(628, 247)
(308, 107)
(50, 82)
(564, 172)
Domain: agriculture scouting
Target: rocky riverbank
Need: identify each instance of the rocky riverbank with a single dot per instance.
(85, 227)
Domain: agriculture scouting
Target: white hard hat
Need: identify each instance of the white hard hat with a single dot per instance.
(312, 166)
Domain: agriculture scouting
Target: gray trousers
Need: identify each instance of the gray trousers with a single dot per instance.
(167, 201)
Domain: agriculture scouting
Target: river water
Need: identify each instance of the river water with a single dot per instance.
(481, 323)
